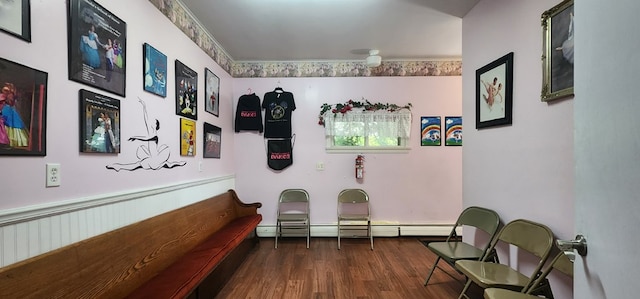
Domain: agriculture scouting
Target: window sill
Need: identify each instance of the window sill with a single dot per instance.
(361, 150)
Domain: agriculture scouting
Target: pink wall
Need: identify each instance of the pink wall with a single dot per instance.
(422, 186)
(85, 175)
(524, 170)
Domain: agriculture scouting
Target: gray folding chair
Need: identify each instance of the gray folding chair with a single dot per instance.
(354, 214)
(293, 215)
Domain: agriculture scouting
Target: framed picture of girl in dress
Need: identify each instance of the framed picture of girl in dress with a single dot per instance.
(212, 92)
(494, 92)
(212, 141)
(97, 43)
(15, 18)
(23, 110)
(99, 123)
(186, 91)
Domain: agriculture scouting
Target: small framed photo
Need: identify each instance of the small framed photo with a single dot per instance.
(23, 109)
(557, 59)
(15, 18)
(154, 73)
(212, 92)
(494, 93)
(99, 123)
(187, 137)
(186, 91)
(97, 46)
(431, 129)
(212, 141)
(453, 130)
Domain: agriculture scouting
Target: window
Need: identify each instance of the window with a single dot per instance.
(359, 131)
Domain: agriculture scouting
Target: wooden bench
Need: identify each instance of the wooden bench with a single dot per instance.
(190, 252)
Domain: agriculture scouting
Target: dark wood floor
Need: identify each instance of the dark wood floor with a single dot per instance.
(396, 268)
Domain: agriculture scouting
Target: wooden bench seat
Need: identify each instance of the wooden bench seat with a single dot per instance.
(190, 252)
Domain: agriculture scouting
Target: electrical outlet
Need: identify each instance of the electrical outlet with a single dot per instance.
(53, 175)
(320, 166)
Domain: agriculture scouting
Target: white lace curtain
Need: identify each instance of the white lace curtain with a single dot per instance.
(380, 123)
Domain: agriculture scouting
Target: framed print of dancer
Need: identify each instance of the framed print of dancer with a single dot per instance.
(151, 154)
(97, 46)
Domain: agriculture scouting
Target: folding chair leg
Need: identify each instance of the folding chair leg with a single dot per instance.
(431, 271)
(370, 234)
(464, 290)
(308, 234)
(338, 234)
(277, 227)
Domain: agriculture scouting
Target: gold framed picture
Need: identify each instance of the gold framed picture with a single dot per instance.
(557, 57)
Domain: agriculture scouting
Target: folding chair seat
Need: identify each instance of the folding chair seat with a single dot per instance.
(540, 287)
(453, 249)
(293, 215)
(528, 236)
(354, 214)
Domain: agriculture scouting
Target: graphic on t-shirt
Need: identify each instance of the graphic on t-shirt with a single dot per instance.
(278, 111)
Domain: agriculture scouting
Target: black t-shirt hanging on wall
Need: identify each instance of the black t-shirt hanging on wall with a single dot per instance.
(278, 105)
(249, 113)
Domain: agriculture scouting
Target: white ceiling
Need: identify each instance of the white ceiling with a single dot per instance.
(299, 30)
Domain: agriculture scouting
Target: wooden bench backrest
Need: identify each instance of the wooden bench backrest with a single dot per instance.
(113, 264)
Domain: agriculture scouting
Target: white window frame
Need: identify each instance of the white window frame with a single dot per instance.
(400, 129)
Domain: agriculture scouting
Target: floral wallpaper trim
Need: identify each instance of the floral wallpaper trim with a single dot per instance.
(178, 14)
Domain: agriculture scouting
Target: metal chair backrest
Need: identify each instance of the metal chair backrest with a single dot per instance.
(294, 195)
(533, 237)
(481, 218)
(353, 201)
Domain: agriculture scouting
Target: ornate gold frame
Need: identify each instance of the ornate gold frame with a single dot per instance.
(553, 61)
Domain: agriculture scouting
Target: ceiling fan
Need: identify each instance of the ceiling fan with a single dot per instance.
(374, 60)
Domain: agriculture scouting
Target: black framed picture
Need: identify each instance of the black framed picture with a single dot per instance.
(23, 105)
(99, 123)
(212, 92)
(15, 18)
(186, 91)
(494, 93)
(154, 71)
(453, 130)
(430, 128)
(97, 43)
(557, 59)
(212, 141)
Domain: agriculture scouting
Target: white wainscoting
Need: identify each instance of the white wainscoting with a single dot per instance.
(29, 231)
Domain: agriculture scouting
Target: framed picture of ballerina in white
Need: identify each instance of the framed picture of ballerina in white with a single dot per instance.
(557, 59)
(99, 123)
(23, 110)
(97, 43)
(15, 18)
(494, 93)
(212, 92)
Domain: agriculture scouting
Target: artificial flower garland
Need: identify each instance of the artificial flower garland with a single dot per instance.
(349, 105)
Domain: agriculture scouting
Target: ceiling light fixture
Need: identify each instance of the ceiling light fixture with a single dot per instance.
(374, 59)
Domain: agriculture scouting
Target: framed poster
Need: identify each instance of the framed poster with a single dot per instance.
(154, 71)
(212, 141)
(212, 92)
(494, 92)
(187, 137)
(186, 91)
(15, 18)
(97, 43)
(453, 130)
(23, 105)
(99, 123)
(430, 127)
(557, 59)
